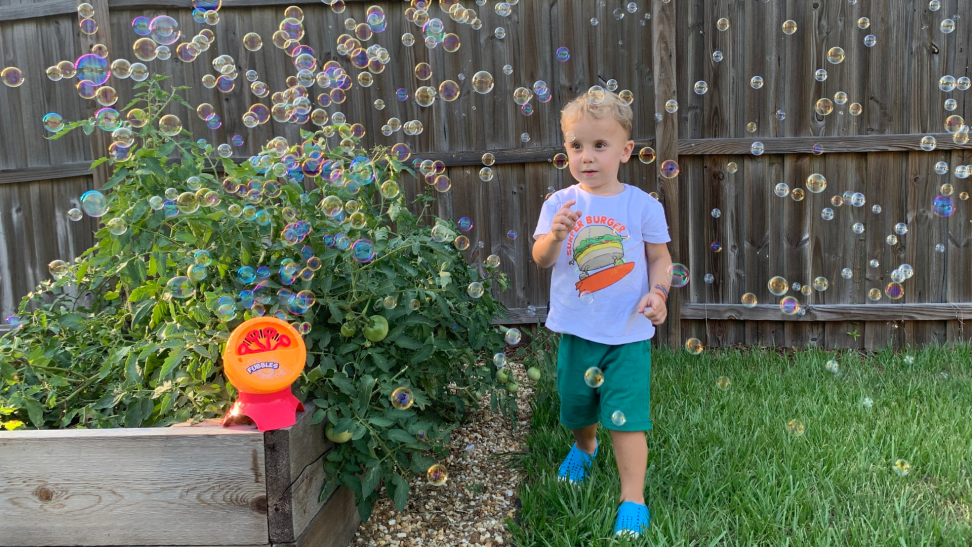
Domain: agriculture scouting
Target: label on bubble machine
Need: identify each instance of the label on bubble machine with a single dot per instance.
(264, 355)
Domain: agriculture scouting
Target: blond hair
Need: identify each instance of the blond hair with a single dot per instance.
(612, 105)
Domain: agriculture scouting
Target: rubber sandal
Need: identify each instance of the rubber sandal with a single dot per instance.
(633, 518)
(574, 468)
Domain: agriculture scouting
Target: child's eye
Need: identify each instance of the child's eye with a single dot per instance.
(601, 145)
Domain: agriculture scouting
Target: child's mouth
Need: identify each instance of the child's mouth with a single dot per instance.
(589, 172)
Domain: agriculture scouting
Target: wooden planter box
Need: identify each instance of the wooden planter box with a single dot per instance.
(203, 485)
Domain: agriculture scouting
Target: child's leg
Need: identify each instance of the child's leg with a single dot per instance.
(631, 452)
(587, 438)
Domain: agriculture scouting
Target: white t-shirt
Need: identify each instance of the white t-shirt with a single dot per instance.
(602, 272)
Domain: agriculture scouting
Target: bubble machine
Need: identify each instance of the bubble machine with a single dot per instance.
(263, 357)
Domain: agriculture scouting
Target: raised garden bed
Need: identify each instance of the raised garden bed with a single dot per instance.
(200, 485)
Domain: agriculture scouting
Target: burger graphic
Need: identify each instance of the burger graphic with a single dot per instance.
(598, 252)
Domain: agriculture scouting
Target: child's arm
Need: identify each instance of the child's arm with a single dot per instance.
(547, 248)
(652, 305)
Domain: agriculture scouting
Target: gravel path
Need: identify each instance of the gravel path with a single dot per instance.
(470, 509)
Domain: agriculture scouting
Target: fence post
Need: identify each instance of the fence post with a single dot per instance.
(666, 138)
(99, 139)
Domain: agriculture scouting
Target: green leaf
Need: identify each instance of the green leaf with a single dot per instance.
(116, 178)
(400, 435)
(98, 162)
(72, 321)
(319, 416)
(381, 422)
(370, 481)
(35, 411)
(343, 383)
(82, 269)
(408, 342)
(401, 491)
(422, 354)
(171, 362)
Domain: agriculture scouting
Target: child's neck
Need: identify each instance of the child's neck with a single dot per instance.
(605, 190)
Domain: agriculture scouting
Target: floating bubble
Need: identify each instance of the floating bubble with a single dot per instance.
(475, 289)
(749, 300)
(512, 336)
(92, 68)
(928, 143)
(647, 155)
(94, 203)
(678, 275)
(717, 56)
(795, 427)
(902, 467)
(947, 26)
(789, 305)
(756, 82)
(594, 377)
(757, 148)
(362, 250)
(777, 285)
(824, 106)
(816, 183)
(563, 54)
(781, 189)
(669, 169)
(170, 125)
(835, 55)
(722, 24)
(402, 398)
(694, 346)
(789, 27)
(437, 475)
(943, 206)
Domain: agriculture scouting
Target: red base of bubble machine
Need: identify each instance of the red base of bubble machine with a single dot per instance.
(268, 411)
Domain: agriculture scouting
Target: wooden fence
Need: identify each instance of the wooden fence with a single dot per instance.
(658, 58)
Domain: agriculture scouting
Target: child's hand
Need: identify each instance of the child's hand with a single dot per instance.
(564, 221)
(652, 305)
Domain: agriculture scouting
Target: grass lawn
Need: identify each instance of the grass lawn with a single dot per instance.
(724, 469)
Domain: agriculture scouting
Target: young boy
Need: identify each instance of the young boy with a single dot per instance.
(607, 244)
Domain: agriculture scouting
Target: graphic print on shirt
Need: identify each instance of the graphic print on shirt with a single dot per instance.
(596, 246)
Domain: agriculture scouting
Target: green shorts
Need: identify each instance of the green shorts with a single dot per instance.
(627, 381)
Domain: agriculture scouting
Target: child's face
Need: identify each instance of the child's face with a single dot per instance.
(599, 148)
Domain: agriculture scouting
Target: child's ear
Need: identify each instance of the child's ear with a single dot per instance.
(628, 149)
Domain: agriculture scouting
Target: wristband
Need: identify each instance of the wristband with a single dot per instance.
(663, 291)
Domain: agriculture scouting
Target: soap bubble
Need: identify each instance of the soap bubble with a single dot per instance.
(94, 203)
(482, 82)
(749, 300)
(795, 427)
(943, 206)
(475, 289)
(756, 82)
(646, 155)
(928, 143)
(179, 287)
(362, 250)
(669, 169)
(694, 346)
(789, 27)
(789, 305)
(678, 275)
(594, 377)
(92, 68)
(512, 336)
(402, 398)
(701, 87)
(777, 285)
(437, 474)
(617, 417)
(74, 214)
(722, 24)
(757, 148)
(816, 183)
(563, 54)
(835, 55)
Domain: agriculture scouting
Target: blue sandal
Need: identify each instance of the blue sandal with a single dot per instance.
(632, 519)
(574, 468)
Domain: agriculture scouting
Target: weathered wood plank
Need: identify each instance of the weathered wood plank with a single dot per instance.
(663, 51)
(295, 476)
(38, 9)
(832, 312)
(127, 487)
(804, 145)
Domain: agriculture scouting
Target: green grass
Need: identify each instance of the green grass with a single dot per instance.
(724, 470)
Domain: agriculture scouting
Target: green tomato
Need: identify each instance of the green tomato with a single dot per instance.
(348, 330)
(502, 376)
(533, 373)
(336, 437)
(377, 330)
(512, 387)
